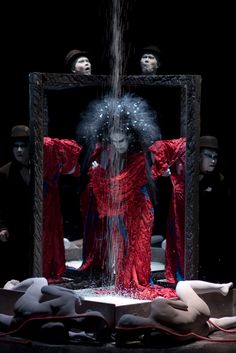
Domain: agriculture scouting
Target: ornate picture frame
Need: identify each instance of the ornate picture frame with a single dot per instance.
(177, 96)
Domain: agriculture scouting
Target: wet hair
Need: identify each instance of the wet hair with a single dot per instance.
(130, 114)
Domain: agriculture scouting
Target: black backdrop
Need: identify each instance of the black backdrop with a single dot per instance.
(194, 38)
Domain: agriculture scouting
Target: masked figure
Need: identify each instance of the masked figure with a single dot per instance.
(117, 204)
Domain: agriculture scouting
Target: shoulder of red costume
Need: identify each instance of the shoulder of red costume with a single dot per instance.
(54, 140)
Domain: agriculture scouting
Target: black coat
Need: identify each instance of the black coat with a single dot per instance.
(16, 216)
(214, 228)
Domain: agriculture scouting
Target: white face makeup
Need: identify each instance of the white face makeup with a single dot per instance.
(149, 64)
(120, 141)
(21, 151)
(82, 66)
(208, 160)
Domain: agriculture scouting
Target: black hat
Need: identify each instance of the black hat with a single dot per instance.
(209, 142)
(153, 49)
(72, 56)
(20, 131)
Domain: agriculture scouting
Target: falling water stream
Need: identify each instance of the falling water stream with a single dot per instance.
(117, 63)
(114, 238)
(117, 47)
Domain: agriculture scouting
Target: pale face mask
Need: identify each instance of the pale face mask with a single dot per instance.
(120, 142)
(149, 64)
(208, 160)
(82, 66)
(21, 151)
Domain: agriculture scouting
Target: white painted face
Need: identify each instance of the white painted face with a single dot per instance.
(21, 151)
(208, 160)
(82, 66)
(149, 64)
(120, 141)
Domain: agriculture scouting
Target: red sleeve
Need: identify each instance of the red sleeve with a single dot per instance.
(62, 154)
(165, 153)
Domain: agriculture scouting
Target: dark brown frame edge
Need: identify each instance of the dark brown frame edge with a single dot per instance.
(190, 86)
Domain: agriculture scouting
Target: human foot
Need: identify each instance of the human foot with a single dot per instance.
(225, 287)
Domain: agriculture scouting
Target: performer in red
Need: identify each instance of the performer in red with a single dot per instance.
(60, 157)
(170, 155)
(119, 223)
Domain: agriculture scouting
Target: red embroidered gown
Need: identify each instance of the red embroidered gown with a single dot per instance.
(122, 215)
(60, 157)
(172, 153)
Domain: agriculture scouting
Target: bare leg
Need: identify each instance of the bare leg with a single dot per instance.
(29, 302)
(63, 301)
(32, 285)
(223, 322)
(201, 287)
(40, 298)
(195, 313)
(189, 314)
(198, 310)
(11, 284)
(33, 288)
(188, 292)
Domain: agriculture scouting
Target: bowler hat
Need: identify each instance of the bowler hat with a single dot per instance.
(20, 131)
(209, 142)
(153, 49)
(72, 55)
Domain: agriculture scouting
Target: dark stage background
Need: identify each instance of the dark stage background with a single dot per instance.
(194, 38)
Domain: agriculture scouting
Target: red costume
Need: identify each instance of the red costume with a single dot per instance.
(60, 157)
(125, 219)
(171, 153)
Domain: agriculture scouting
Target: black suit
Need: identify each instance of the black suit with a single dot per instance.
(15, 215)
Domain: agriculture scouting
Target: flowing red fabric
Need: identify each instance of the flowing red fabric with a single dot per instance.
(60, 157)
(172, 153)
(125, 220)
(125, 208)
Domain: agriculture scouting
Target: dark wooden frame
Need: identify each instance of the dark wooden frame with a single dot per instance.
(190, 87)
